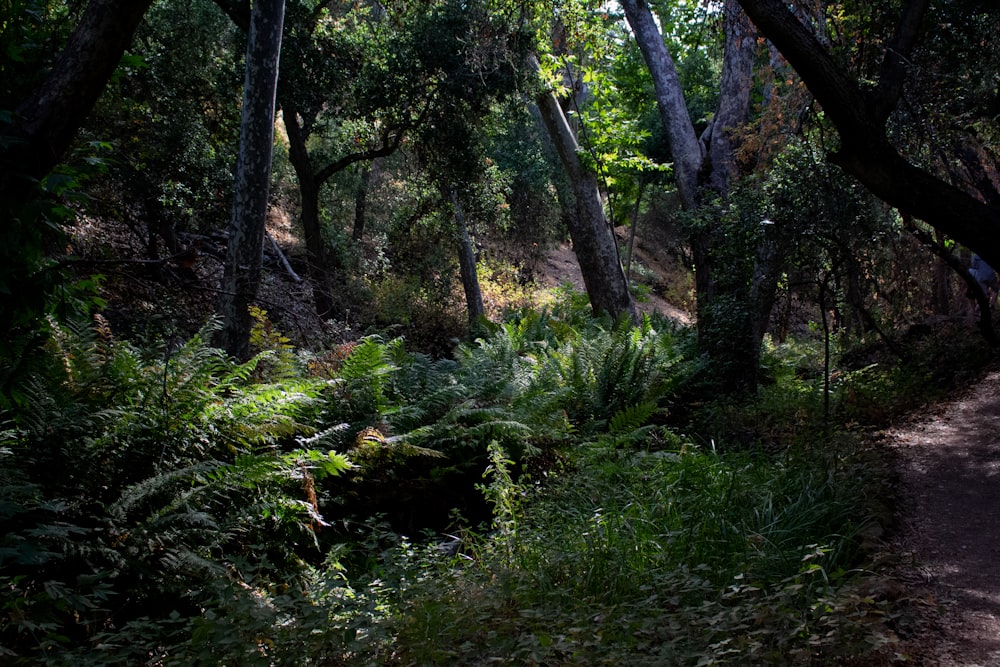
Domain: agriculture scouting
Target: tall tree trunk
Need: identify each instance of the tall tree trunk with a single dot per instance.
(361, 202)
(733, 311)
(685, 149)
(734, 97)
(244, 257)
(317, 266)
(467, 264)
(593, 242)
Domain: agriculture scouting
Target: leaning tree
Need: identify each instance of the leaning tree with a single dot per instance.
(867, 111)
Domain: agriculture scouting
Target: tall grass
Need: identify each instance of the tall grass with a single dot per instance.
(671, 557)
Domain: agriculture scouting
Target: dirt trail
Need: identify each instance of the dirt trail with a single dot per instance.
(949, 468)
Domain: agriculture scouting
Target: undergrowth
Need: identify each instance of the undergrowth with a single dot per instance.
(165, 505)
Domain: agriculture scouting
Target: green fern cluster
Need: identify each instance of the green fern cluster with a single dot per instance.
(132, 479)
(162, 499)
(594, 375)
(531, 384)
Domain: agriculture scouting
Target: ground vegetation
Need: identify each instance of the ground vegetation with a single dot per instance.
(466, 427)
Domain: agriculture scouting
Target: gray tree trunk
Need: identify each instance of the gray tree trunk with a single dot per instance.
(361, 201)
(244, 257)
(467, 264)
(734, 96)
(593, 241)
(687, 152)
(732, 314)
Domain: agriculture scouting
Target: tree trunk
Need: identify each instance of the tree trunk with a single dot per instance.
(244, 257)
(734, 97)
(361, 202)
(316, 263)
(48, 120)
(593, 242)
(733, 311)
(860, 115)
(467, 264)
(684, 146)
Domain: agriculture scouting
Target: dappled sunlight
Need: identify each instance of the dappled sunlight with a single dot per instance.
(950, 474)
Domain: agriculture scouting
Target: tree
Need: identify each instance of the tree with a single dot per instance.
(467, 263)
(733, 305)
(862, 115)
(593, 242)
(360, 80)
(172, 130)
(44, 124)
(38, 122)
(244, 256)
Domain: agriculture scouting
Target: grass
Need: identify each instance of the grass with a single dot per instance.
(659, 557)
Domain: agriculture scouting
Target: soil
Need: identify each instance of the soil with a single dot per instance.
(948, 464)
(561, 266)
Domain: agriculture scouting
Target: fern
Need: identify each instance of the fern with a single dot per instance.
(148, 471)
(631, 420)
(366, 373)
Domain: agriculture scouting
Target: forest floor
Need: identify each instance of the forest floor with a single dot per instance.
(662, 272)
(948, 466)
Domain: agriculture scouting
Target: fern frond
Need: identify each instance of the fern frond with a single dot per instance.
(368, 359)
(330, 463)
(331, 434)
(631, 418)
(400, 444)
(186, 561)
(147, 490)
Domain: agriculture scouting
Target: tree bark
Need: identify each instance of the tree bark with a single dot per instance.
(316, 263)
(361, 202)
(734, 97)
(467, 264)
(687, 152)
(44, 124)
(593, 241)
(244, 257)
(860, 116)
(733, 311)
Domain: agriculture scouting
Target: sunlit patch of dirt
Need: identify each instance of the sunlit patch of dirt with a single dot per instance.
(949, 474)
(561, 267)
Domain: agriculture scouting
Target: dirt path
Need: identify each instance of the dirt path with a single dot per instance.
(949, 467)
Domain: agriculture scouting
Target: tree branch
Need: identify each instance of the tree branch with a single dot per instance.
(847, 105)
(865, 150)
(895, 64)
(238, 12)
(47, 121)
(389, 145)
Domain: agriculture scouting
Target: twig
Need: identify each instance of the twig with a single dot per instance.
(284, 260)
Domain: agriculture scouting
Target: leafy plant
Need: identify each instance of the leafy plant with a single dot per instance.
(664, 557)
(133, 479)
